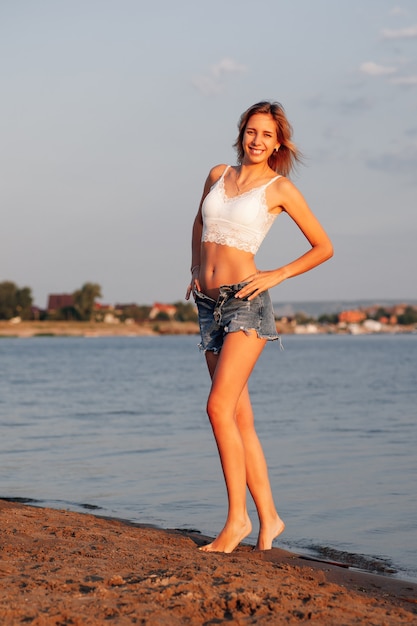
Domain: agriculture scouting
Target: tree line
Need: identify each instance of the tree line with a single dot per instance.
(18, 302)
(15, 301)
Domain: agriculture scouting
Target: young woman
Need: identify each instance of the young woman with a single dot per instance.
(238, 206)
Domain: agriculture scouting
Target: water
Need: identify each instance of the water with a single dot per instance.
(119, 424)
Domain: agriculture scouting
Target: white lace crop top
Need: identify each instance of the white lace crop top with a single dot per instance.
(239, 222)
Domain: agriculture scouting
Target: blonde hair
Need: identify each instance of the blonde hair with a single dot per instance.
(287, 156)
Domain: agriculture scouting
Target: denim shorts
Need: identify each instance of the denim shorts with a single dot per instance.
(228, 314)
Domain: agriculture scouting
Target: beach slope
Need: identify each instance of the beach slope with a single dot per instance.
(60, 567)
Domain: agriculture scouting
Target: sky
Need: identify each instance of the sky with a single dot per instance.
(112, 113)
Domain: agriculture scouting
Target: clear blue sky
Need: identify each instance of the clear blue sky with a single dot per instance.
(112, 113)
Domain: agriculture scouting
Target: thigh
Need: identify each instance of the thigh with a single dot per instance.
(244, 412)
(211, 360)
(235, 363)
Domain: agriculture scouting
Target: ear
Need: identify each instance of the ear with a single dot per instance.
(277, 147)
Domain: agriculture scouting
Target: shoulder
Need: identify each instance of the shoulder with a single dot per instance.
(285, 187)
(284, 194)
(215, 173)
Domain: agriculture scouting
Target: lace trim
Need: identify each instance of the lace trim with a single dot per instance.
(261, 188)
(224, 233)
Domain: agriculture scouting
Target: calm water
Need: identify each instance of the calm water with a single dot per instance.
(120, 424)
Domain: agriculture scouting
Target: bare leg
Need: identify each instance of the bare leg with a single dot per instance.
(270, 524)
(230, 374)
(256, 472)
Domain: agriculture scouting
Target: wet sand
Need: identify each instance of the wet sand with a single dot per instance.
(65, 568)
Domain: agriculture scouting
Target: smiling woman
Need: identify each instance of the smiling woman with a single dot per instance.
(277, 127)
(237, 209)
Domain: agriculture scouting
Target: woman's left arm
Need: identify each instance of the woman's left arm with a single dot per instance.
(291, 200)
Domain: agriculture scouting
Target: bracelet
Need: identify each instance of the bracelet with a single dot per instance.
(194, 268)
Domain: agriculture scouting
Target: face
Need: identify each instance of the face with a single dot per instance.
(260, 138)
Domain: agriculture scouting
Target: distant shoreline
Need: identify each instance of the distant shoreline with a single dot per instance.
(155, 328)
(95, 329)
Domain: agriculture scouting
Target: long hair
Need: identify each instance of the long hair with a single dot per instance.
(283, 160)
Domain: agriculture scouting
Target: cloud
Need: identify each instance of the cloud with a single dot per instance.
(374, 69)
(398, 11)
(212, 83)
(227, 66)
(410, 32)
(207, 85)
(407, 81)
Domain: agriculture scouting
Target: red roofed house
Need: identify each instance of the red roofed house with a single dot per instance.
(158, 307)
(352, 317)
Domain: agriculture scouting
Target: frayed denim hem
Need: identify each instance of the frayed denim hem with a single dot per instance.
(203, 349)
(247, 331)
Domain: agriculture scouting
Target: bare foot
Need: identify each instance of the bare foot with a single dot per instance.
(268, 533)
(229, 538)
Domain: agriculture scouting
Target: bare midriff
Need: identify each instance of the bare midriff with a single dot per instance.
(222, 265)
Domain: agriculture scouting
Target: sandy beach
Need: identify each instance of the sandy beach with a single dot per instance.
(60, 567)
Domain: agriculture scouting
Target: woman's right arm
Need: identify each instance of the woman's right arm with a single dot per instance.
(213, 177)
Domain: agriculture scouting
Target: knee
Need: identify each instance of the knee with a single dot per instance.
(215, 410)
(212, 407)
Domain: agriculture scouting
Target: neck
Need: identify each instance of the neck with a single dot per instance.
(247, 172)
(256, 169)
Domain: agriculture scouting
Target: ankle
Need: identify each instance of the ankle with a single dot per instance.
(269, 519)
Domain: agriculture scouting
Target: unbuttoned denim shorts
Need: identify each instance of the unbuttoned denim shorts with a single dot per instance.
(228, 314)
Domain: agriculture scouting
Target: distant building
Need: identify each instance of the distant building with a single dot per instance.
(158, 307)
(306, 329)
(57, 301)
(98, 306)
(122, 307)
(352, 317)
(373, 326)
